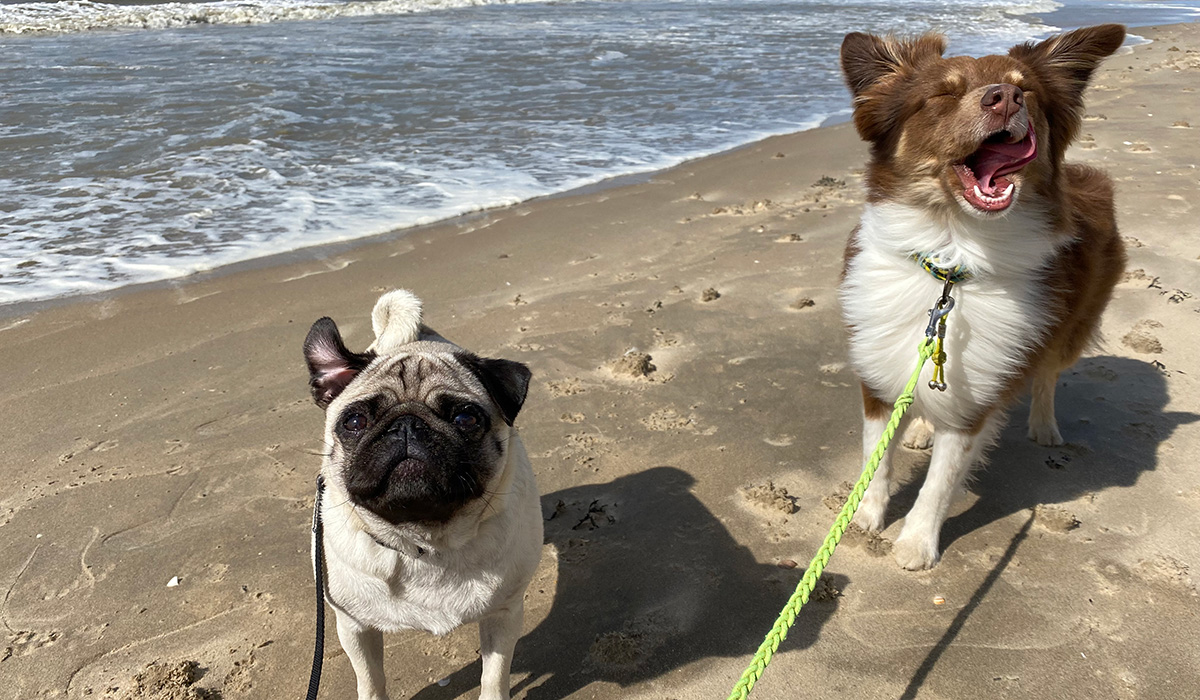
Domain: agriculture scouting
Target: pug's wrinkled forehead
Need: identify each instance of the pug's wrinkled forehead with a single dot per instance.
(408, 361)
(427, 371)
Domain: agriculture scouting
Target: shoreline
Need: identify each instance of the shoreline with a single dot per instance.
(161, 447)
(318, 251)
(22, 307)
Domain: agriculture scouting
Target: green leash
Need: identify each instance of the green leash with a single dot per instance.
(787, 618)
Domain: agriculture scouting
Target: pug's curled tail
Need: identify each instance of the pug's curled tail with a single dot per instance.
(396, 320)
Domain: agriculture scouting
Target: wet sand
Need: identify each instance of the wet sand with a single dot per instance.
(168, 432)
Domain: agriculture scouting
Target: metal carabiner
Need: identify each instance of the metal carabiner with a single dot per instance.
(937, 315)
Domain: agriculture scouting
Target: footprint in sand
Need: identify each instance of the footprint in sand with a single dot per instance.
(565, 387)
(745, 209)
(87, 446)
(1166, 569)
(161, 679)
(629, 647)
(1102, 373)
(24, 643)
(238, 681)
(872, 543)
(1058, 461)
(1139, 147)
(1138, 278)
(1176, 296)
(1142, 339)
(1055, 519)
(668, 420)
(769, 497)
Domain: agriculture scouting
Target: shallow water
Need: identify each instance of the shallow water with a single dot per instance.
(134, 154)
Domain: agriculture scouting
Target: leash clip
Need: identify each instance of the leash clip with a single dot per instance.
(936, 331)
(937, 317)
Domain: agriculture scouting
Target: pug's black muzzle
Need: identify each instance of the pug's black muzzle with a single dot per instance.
(409, 471)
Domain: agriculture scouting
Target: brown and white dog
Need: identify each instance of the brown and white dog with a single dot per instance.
(966, 172)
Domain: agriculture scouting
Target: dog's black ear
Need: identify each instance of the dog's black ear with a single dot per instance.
(1068, 60)
(867, 59)
(507, 382)
(331, 366)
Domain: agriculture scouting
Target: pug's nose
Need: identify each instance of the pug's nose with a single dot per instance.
(413, 435)
(1003, 99)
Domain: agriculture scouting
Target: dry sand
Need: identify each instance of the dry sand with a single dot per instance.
(168, 433)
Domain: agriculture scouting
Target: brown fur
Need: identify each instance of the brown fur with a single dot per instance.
(920, 113)
(1080, 280)
(873, 406)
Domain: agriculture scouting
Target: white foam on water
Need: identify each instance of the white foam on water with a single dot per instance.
(142, 156)
(81, 15)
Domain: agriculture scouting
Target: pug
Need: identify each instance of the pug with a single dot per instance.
(431, 515)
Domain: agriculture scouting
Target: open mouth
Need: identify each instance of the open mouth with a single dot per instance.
(983, 173)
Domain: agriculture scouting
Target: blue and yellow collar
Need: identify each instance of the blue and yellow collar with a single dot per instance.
(955, 275)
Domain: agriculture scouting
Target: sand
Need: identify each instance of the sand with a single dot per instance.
(692, 424)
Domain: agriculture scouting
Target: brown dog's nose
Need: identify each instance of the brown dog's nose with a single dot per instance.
(1003, 99)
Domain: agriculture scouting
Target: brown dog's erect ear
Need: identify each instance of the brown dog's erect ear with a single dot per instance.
(506, 381)
(331, 367)
(1064, 64)
(867, 58)
(1069, 59)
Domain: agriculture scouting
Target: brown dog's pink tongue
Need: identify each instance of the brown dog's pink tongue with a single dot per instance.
(995, 159)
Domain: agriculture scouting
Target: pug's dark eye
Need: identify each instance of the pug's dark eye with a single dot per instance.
(466, 420)
(354, 423)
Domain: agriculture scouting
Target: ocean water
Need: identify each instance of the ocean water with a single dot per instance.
(143, 142)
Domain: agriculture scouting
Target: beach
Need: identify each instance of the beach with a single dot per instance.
(162, 448)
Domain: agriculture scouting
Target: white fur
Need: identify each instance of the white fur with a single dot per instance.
(998, 318)
(396, 320)
(473, 568)
(477, 562)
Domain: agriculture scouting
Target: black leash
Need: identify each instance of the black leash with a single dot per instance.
(314, 681)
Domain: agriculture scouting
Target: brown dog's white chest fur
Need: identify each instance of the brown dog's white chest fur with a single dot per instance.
(967, 165)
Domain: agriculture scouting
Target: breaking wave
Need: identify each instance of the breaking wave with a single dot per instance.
(70, 16)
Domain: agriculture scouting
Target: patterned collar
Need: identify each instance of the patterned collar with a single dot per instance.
(955, 275)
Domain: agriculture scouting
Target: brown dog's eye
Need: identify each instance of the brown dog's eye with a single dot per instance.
(355, 422)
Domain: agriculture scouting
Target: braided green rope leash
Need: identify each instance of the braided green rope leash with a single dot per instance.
(787, 617)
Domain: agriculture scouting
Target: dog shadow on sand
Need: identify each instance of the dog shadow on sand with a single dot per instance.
(648, 582)
(1111, 412)
(1112, 415)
